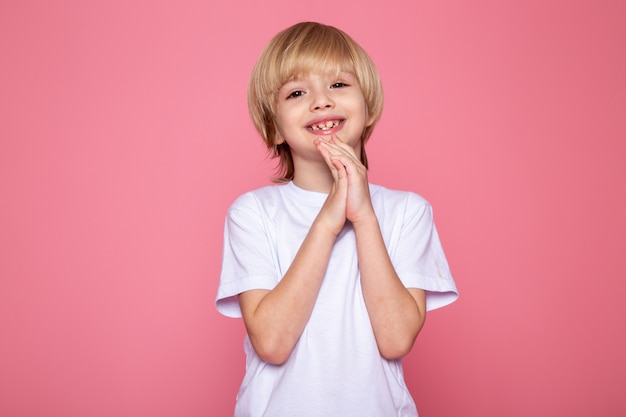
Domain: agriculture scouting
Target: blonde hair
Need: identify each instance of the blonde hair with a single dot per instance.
(304, 48)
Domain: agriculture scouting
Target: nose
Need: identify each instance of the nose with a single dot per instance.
(321, 100)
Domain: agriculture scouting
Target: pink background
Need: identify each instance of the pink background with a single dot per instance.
(125, 137)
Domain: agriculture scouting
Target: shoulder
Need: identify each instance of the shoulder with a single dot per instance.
(255, 199)
(400, 209)
(260, 206)
(398, 198)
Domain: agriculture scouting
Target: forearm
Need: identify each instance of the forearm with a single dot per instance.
(275, 319)
(397, 314)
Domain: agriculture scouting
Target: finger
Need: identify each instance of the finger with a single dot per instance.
(340, 144)
(335, 138)
(340, 171)
(346, 161)
(337, 149)
(324, 151)
(336, 167)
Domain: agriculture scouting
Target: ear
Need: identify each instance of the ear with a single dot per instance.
(370, 117)
(278, 139)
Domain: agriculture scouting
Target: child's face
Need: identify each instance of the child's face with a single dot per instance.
(319, 105)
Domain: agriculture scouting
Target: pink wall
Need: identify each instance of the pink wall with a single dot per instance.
(124, 138)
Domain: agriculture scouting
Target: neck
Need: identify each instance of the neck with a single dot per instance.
(313, 177)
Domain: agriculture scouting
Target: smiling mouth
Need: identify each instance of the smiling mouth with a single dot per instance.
(325, 125)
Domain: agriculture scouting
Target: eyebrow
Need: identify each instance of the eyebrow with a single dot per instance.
(296, 78)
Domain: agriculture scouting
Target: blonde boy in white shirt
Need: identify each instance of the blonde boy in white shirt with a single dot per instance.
(332, 275)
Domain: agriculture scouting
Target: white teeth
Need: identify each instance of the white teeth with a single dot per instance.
(325, 126)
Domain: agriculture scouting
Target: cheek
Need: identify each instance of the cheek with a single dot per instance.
(285, 128)
(286, 118)
(366, 116)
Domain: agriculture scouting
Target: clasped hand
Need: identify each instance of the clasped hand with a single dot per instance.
(349, 197)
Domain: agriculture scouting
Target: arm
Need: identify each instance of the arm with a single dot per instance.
(276, 319)
(397, 314)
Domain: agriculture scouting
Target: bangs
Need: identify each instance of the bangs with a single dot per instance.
(313, 58)
(320, 50)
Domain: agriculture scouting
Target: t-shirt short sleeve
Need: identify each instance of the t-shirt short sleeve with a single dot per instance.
(248, 260)
(419, 258)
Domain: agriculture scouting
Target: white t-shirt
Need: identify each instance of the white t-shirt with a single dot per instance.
(335, 369)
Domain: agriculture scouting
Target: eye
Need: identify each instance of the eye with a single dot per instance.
(295, 94)
(338, 84)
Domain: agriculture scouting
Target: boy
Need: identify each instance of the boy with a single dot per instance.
(332, 275)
